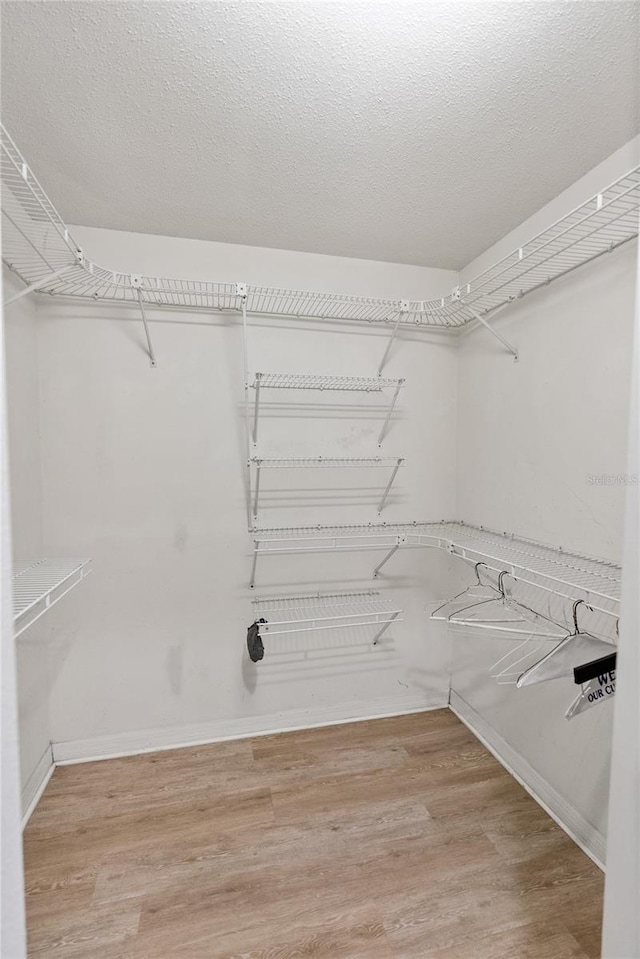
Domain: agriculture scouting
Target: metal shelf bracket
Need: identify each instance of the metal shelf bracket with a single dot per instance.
(136, 283)
(39, 283)
(390, 483)
(385, 425)
(493, 332)
(401, 540)
(404, 308)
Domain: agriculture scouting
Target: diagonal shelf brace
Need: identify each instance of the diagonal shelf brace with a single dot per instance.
(256, 494)
(252, 581)
(256, 408)
(390, 484)
(385, 425)
(399, 542)
(404, 305)
(135, 282)
(493, 332)
(39, 283)
(385, 627)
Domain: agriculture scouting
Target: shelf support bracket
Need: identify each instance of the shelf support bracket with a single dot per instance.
(252, 581)
(257, 491)
(389, 412)
(390, 484)
(135, 282)
(385, 627)
(399, 542)
(404, 305)
(35, 286)
(493, 332)
(255, 409)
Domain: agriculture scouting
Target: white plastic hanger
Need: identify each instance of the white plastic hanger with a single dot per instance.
(576, 649)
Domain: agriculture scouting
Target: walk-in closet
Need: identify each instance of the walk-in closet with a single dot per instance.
(320, 467)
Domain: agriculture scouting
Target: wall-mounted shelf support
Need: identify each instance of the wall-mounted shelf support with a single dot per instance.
(135, 282)
(399, 463)
(404, 308)
(256, 407)
(385, 425)
(385, 627)
(38, 283)
(400, 542)
(498, 336)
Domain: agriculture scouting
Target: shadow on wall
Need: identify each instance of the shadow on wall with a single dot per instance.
(288, 656)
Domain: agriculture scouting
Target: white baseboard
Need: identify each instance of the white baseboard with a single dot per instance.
(36, 784)
(590, 840)
(173, 737)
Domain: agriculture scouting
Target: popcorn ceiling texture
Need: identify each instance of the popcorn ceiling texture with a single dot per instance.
(408, 132)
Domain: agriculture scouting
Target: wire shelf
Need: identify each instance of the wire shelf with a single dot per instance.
(312, 381)
(37, 244)
(598, 226)
(328, 462)
(299, 614)
(39, 585)
(566, 574)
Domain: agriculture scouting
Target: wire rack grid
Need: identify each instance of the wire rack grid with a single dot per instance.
(37, 244)
(39, 585)
(568, 574)
(319, 611)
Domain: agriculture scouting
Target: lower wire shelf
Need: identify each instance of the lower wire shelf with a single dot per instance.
(276, 615)
(39, 585)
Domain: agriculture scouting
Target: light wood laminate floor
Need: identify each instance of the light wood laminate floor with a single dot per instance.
(396, 838)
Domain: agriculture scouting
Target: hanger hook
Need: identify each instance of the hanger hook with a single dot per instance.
(575, 615)
(477, 571)
(503, 573)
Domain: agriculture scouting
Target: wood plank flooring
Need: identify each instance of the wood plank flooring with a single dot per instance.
(391, 839)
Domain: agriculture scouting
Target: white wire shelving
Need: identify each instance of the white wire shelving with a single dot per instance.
(39, 585)
(39, 248)
(326, 462)
(565, 574)
(299, 614)
(329, 383)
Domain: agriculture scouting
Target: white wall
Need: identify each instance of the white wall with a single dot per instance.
(12, 919)
(531, 436)
(143, 471)
(32, 651)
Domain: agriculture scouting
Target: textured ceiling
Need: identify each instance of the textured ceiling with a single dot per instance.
(411, 132)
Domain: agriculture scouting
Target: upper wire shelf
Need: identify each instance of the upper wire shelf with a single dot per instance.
(298, 614)
(39, 585)
(39, 248)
